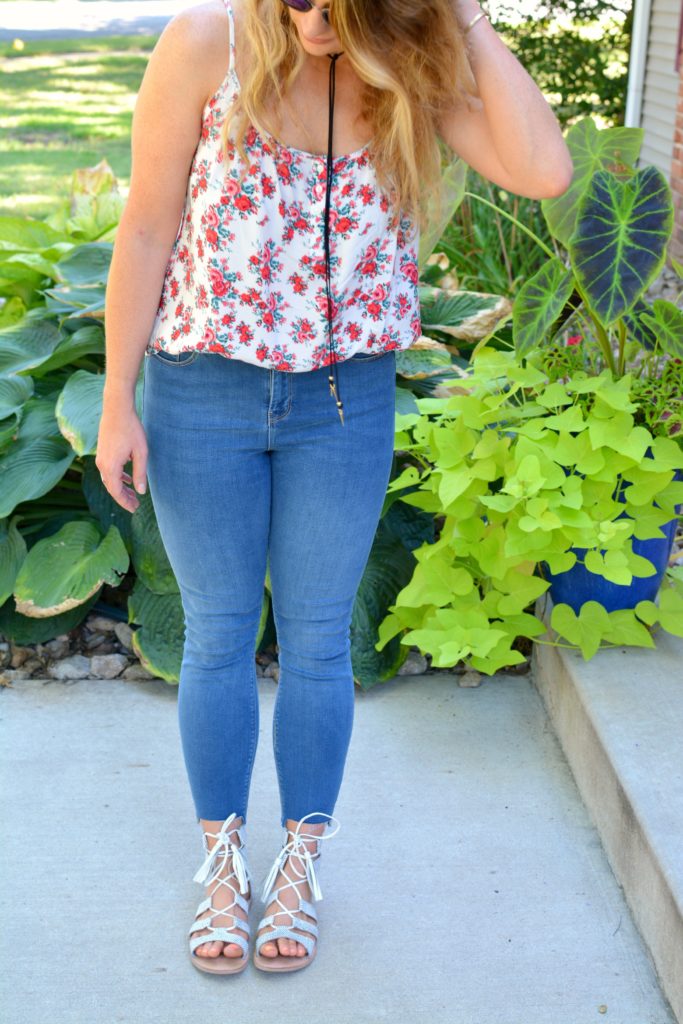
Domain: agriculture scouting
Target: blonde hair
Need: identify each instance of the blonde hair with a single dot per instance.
(411, 57)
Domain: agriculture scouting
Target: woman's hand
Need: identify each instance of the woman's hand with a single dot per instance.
(121, 438)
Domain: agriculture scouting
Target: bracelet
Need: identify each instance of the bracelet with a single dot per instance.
(475, 19)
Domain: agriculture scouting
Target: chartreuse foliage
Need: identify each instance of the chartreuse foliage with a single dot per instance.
(526, 471)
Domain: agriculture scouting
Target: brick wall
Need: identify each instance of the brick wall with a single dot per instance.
(676, 244)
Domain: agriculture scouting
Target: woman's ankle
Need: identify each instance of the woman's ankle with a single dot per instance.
(212, 828)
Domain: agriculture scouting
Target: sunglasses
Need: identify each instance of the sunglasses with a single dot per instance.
(306, 5)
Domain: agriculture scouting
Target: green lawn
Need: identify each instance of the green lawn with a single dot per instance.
(65, 103)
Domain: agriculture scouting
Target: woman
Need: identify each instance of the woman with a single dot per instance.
(265, 267)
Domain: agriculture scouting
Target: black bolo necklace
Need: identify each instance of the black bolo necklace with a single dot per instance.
(334, 389)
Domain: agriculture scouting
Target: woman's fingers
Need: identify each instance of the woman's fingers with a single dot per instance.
(122, 494)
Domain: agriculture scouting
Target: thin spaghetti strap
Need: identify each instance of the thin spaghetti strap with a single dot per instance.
(231, 23)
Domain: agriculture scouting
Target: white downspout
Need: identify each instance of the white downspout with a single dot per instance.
(637, 61)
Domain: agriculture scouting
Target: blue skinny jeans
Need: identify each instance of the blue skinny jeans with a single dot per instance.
(249, 466)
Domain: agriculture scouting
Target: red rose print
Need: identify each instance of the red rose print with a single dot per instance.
(218, 285)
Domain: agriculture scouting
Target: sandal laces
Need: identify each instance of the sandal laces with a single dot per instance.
(224, 846)
(297, 846)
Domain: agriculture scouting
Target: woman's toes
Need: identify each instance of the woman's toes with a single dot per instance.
(269, 949)
(232, 949)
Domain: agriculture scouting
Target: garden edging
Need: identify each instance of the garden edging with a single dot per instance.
(619, 720)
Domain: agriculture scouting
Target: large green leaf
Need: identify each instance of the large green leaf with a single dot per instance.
(14, 392)
(12, 311)
(418, 363)
(410, 525)
(26, 345)
(79, 300)
(79, 410)
(26, 234)
(452, 190)
(160, 640)
(406, 402)
(12, 553)
(9, 428)
(666, 323)
(34, 463)
(468, 316)
(16, 266)
(539, 303)
(73, 345)
(65, 569)
(620, 241)
(388, 570)
(591, 150)
(149, 554)
(24, 630)
(636, 326)
(86, 264)
(101, 504)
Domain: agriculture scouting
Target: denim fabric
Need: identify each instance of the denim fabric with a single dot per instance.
(249, 466)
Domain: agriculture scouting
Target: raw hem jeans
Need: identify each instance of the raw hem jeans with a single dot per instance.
(249, 466)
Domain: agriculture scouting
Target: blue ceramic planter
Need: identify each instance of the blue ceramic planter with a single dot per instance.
(577, 585)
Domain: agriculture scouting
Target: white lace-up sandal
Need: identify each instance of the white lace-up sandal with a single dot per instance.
(222, 850)
(296, 846)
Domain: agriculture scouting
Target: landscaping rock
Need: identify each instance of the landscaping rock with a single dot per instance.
(136, 673)
(470, 679)
(94, 641)
(57, 648)
(20, 655)
(75, 667)
(101, 623)
(414, 665)
(108, 666)
(124, 635)
(34, 665)
(9, 675)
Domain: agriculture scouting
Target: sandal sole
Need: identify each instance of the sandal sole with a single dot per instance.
(283, 963)
(209, 965)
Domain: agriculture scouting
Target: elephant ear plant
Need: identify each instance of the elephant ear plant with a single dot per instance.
(566, 450)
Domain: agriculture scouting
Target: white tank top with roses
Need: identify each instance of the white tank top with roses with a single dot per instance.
(246, 273)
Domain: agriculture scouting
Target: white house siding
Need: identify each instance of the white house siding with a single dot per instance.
(660, 92)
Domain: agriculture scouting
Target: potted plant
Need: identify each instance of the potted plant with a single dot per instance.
(564, 452)
(616, 224)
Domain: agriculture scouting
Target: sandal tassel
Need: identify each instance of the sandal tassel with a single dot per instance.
(227, 848)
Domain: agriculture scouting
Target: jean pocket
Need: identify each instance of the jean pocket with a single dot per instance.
(176, 358)
(367, 356)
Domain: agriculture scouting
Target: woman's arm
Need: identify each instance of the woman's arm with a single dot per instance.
(514, 138)
(184, 69)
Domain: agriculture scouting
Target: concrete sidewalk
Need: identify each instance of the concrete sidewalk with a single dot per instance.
(467, 884)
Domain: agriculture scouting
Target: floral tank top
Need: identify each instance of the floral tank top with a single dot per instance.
(246, 273)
